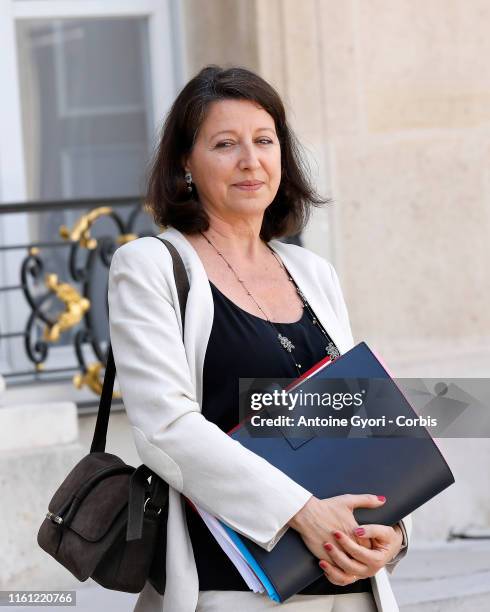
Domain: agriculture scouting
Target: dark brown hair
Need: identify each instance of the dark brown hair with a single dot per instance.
(168, 199)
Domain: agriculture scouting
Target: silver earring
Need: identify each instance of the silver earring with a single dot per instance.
(188, 180)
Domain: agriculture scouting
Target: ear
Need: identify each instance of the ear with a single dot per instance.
(184, 164)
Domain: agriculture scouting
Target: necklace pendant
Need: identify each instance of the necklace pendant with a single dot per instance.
(285, 342)
(332, 351)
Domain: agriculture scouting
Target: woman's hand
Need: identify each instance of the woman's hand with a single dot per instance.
(317, 521)
(349, 561)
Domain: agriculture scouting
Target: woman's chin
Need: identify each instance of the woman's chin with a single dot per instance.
(248, 206)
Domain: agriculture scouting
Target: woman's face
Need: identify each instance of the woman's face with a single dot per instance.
(236, 144)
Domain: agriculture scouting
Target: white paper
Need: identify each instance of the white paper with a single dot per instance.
(231, 550)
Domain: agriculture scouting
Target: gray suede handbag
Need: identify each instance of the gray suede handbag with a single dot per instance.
(108, 520)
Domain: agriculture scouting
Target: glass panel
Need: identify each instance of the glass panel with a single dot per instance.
(86, 106)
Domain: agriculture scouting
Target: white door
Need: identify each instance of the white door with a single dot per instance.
(86, 85)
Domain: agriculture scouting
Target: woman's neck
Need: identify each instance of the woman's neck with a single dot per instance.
(237, 240)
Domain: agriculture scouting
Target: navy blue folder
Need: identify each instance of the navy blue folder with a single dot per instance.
(408, 469)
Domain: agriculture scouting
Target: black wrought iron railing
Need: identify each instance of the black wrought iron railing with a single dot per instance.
(54, 261)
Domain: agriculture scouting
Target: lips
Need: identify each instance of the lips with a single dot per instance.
(249, 183)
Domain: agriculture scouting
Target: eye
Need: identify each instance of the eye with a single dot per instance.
(265, 141)
(224, 144)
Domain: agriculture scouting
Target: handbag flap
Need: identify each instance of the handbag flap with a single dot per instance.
(93, 495)
(86, 468)
(101, 507)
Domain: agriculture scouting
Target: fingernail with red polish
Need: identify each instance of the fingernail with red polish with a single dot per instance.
(360, 531)
(381, 498)
(337, 534)
(323, 565)
(328, 546)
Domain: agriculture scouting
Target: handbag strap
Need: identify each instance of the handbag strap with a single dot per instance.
(182, 284)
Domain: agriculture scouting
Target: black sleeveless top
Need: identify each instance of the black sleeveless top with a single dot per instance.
(244, 345)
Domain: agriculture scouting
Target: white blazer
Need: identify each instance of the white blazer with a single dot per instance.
(161, 379)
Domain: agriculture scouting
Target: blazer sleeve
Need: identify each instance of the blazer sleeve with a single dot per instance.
(343, 316)
(172, 437)
(406, 527)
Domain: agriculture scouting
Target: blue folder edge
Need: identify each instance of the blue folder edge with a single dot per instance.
(270, 590)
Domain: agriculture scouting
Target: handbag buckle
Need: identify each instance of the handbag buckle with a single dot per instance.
(152, 507)
(55, 518)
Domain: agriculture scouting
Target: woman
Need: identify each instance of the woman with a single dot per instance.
(226, 182)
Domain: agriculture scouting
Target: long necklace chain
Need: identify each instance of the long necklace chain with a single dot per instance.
(331, 348)
(284, 341)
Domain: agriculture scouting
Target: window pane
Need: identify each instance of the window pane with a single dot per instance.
(86, 106)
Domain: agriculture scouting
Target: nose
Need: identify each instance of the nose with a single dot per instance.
(249, 159)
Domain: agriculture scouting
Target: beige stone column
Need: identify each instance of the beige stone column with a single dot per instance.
(291, 57)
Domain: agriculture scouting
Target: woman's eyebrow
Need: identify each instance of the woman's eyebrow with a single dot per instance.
(234, 132)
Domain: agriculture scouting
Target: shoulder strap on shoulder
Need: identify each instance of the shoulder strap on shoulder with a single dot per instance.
(182, 283)
(180, 274)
